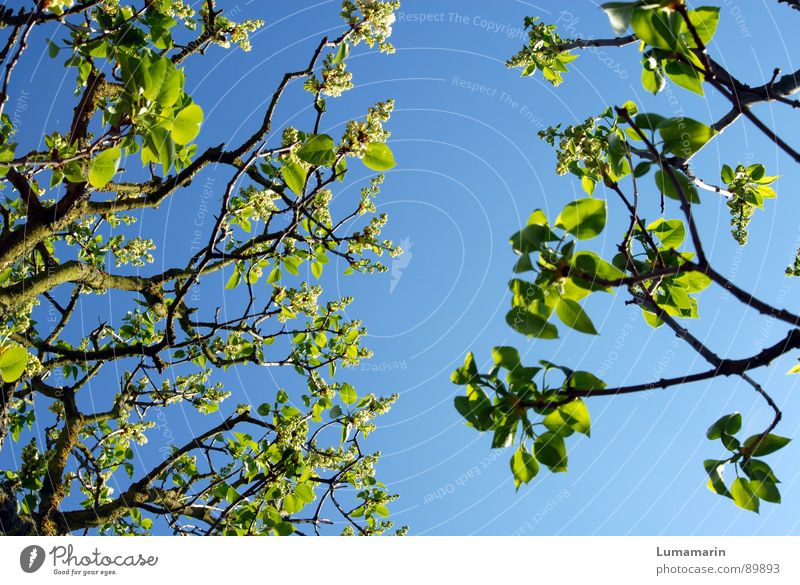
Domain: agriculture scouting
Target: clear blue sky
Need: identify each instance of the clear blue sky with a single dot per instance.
(470, 171)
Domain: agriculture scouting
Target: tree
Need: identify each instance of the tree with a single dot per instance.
(282, 467)
(538, 406)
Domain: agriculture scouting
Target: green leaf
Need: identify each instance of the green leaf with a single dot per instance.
(104, 167)
(162, 145)
(348, 394)
(756, 171)
(318, 151)
(294, 175)
(233, 281)
(506, 357)
(588, 185)
(341, 169)
(549, 449)
(618, 161)
(465, 373)
(531, 324)
(284, 528)
(671, 232)
(769, 444)
(292, 264)
(274, 276)
(537, 217)
(655, 27)
(524, 466)
(7, 155)
(619, 15)
(476, 408)
(652, 27)
(171, 87)
(584, 218)
(305, 492)
(667, 186)
(154, 72)
(757, 469)
(743, 495)
(525, 293)
(705, 20)
(187, 123)
(648, 121)
(730, 424)
(586, 381)
(631, 107)
(524, 264)
(576, 415)
(342, 52)
(684, 136)
(555, 422)
(573, 315)
(766, 490)
(52, 49)
(531, 237)
(727, 174)
(589, 266)
(99, 49)
(685, 76)
(716, 481)
(653, 80)
(732, 444)
(13, 360)
(504, 435)
(292, 503)
(694, 281)
(379, 157)
(652, 319)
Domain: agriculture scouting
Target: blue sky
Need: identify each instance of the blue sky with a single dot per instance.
(470, 170)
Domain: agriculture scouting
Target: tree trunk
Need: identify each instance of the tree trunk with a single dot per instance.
(10, 522)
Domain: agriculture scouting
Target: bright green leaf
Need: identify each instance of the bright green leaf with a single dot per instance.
(187, 123)
(685, 76)
(573, 315)
(348, 394)
(379, 157)
(294, 175)
(13, 360)
(671, 232)
(104, 167)
(524, 466)
(584, 218)
(684, 136)
(743, 495)
(318, 151)
(549, 449)
(667, 186)
(705, 20)
(506, 357)
(531, 324)
(576, 415)
(342, 52)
